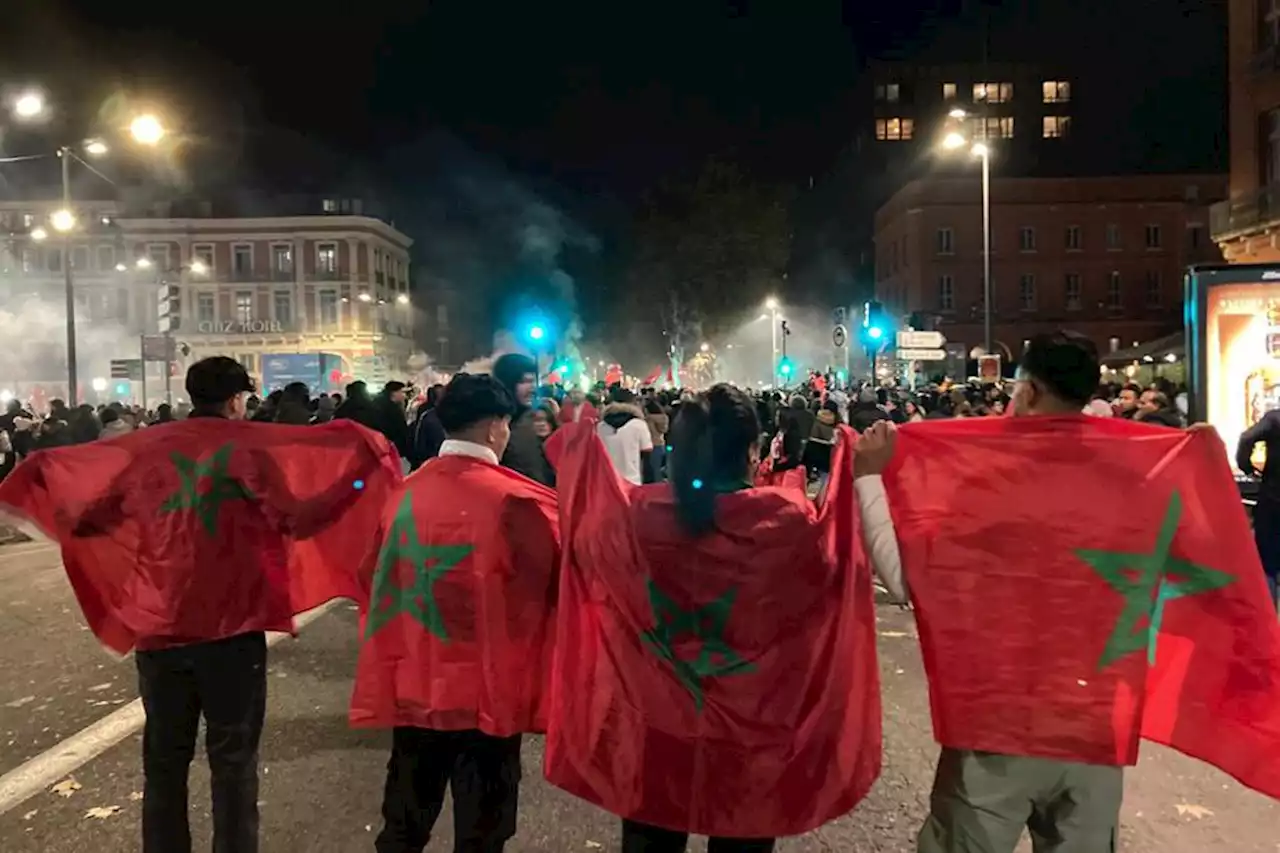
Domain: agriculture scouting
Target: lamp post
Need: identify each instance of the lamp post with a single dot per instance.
(772, 304)
(954, 141)
(145, 130)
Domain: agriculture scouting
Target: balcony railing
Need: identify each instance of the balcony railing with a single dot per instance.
(1252, 212)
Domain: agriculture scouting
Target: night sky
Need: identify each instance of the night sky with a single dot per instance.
(582, 104)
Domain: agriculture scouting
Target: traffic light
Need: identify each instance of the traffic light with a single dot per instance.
(122, 389)
(537, 332)
(786, 368)
(875, 325)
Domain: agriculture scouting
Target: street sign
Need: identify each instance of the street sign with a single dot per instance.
(126, 368)
(922, 354)
(920, 340)
(158, 347)
(839, 336)
(839, 316)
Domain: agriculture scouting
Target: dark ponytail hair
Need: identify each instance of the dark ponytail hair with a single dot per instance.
(711, 442)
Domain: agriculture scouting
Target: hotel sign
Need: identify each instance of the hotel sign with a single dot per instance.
(239, 327)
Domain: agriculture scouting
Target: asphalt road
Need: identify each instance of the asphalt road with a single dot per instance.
(321, 782)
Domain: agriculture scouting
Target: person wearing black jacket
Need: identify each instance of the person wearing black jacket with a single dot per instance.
(1266, 513)
(524, 451)
(428, 432)
(389, 417)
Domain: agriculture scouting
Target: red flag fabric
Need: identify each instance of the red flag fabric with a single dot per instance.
(725, 684)
(206, 528)
(458, 631)
(1080, 582)
(792, 478)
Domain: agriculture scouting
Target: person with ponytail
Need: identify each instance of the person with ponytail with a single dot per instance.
(714, 669)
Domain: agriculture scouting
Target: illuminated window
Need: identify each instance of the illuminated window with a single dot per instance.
(949, 91)
(205, 310)
(1071, 289)
(329, 307)
(946, 293)
(1055, 127)
(1057, 91)
(992, 93)
(327, 258)
(994, 127)
(244, 307)
(283, 307)
(888, 92)
(203, 252)
(894, 129)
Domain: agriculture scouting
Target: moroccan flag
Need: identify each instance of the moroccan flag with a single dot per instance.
(725, 684)
(206, 528)
(1080, 582)
(458, 631)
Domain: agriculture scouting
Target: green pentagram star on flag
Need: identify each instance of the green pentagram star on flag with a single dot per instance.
(430, 563)
(1148, 582)
(715, 658)
(222, 487)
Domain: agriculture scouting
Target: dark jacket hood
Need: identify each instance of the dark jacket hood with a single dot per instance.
(617, 415)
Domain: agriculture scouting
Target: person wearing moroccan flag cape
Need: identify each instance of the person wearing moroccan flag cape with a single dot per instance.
(188, 541)
(715, 667)
(1079, 583)
(457, 635)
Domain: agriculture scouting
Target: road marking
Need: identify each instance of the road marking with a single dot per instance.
(43, 771)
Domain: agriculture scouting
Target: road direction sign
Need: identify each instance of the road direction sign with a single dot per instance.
(839, 336)
(922, 354)
(126, 368)
(920, 340)
(839, 316)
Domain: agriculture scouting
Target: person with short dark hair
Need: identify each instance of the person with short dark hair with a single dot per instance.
(390, 417)
(475, 683)
(524, 453)
(982, 801)
(182, 545)
(294, 405)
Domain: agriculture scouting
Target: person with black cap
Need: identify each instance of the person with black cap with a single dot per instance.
(524, 451)
(187, 544)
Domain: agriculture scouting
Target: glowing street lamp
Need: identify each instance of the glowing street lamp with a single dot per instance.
(121, 268)
(62, 220)
(365, 297)
(403, 299)
(99, 384)
(705, 347)
(146, 129)
(954, 141)
(38, 234)
(199, 267)
(95, 147)
(28, 105)
(537, 333)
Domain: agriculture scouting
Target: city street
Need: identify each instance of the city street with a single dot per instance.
(321, 781)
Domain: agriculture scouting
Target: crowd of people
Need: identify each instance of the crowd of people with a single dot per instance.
(708, 446)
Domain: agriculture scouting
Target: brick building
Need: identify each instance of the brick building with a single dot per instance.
(330, 280)
(1247, 224)
(1103, 256)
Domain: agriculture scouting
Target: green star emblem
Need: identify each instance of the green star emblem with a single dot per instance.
(430, 563)
(716, 659)
(208, 503)
(1148, 582)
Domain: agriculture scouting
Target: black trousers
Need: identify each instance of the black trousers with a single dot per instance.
(642, 838)
(226, 681)
(484, 772)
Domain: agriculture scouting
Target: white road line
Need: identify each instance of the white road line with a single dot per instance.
(53, 764)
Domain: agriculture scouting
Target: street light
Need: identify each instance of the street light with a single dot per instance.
(403, 299)
(365, 297)
(146, 129)
(95, 147)
(99, 384)
(143, 263)
(954, 141)
(28, 105)
(38, 234)
(199, 267)
(772, 304)
(62, 220)
(705, 347)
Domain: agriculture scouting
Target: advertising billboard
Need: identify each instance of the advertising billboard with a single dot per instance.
(1233, 315)
(316, 369)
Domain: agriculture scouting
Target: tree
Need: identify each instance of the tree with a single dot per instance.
(704, 254)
